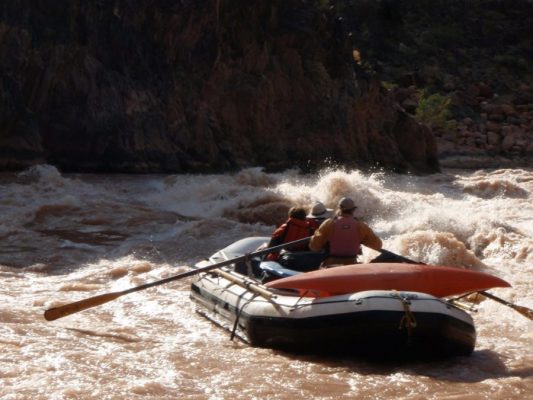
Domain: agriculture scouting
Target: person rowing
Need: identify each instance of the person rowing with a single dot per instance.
(343, 235)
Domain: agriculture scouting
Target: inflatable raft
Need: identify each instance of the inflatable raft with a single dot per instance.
(313, 312)
(372, 323)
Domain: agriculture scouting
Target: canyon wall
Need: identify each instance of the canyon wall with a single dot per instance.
(193, 86)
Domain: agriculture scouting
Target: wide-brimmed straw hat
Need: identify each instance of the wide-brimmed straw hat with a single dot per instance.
(319, 210)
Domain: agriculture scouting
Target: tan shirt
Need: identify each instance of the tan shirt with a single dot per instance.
(321, 236)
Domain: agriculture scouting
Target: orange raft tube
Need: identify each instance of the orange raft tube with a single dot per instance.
(433, 280)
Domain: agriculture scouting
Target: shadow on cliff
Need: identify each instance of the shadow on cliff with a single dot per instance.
(200, 86)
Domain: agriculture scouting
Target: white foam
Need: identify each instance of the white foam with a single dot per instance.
(69, 237)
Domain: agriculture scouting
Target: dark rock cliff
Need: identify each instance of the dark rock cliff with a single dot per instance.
(193, 86)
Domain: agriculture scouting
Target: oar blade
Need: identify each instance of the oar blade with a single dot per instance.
(71, 308)
(526, 312)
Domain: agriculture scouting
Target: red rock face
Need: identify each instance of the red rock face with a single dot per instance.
(193, 87)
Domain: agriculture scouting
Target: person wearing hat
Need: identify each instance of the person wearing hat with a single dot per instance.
(319, 213)
(343, 236)
(295, 228)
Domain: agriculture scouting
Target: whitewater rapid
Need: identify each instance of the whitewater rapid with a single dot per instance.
(66, 237)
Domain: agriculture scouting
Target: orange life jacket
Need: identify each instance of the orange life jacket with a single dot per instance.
(293, 229)
(344, 240)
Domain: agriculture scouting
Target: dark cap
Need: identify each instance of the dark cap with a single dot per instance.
(346, 204)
